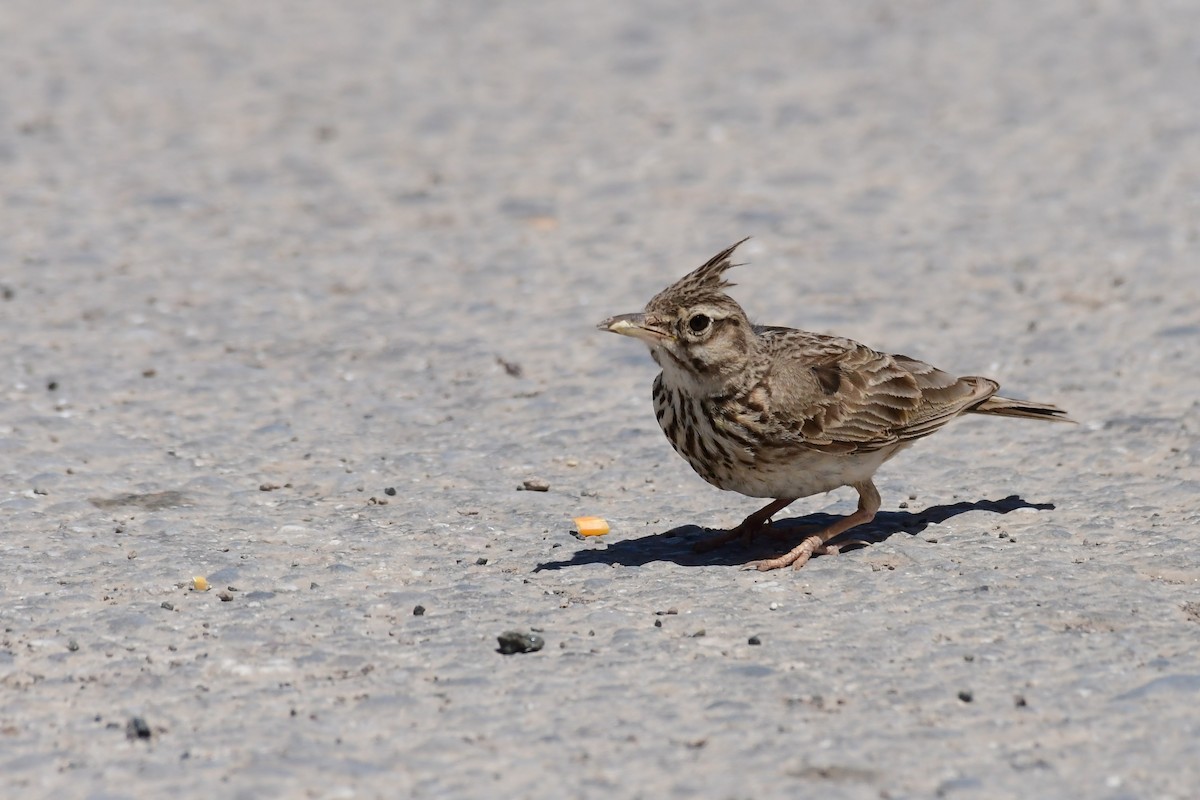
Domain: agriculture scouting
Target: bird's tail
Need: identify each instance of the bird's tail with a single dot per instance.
(1027, 409)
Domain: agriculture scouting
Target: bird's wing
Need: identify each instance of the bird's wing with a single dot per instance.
(836, 395)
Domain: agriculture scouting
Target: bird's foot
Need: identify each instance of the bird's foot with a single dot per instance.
(799, 555)
(815, 544)
(746, 530)
(743, 533)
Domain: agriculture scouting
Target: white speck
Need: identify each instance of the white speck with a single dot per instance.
(773, 606)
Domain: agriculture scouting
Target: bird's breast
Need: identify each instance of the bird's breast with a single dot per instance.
(730, 445)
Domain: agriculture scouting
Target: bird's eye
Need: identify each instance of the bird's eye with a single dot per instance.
(699, 323)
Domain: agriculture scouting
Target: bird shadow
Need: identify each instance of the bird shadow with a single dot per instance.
(676, 544)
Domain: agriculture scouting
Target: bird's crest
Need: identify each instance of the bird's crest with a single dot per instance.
(704, 281)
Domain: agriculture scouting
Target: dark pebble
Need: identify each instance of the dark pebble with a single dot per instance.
(518, 642)
(390, 491)
(513, 369)
(658, 623)
(418, 611)
(168, 605)
(754, 640)
(480, 561)
(535, 485)
(966, 696)
(1020, 702)
(137, 728)
(72, 645)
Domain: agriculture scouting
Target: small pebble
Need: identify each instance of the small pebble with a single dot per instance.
(773, 606)
(1020, 702)
(137, 728)
(72, 645)
(390, 491)
(168, 605)
(966, 696)
(418, 611)
(658, 623)
(535, 485)
(225, 596)
(512, 368)
(480, 561)
(517, 642)
(754, 640)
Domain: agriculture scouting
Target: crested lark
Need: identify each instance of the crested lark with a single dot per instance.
(781, 413)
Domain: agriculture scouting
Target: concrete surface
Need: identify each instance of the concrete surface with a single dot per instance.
(263, 262)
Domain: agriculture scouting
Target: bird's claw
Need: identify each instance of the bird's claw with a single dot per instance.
(798, 556)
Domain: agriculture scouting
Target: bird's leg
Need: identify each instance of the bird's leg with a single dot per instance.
(814, 544)
(746, 530)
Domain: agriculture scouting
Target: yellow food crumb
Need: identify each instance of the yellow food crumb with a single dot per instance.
(200, 583)
(591, 526)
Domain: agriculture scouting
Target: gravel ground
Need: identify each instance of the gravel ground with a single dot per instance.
(295, 296)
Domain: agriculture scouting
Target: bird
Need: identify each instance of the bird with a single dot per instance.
(779, 413)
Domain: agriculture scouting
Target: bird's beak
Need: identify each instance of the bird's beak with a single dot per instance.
(635, 325)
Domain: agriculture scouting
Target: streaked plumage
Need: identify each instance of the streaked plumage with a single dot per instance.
(782, 413)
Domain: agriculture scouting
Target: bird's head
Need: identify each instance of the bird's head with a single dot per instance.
(698, 334)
